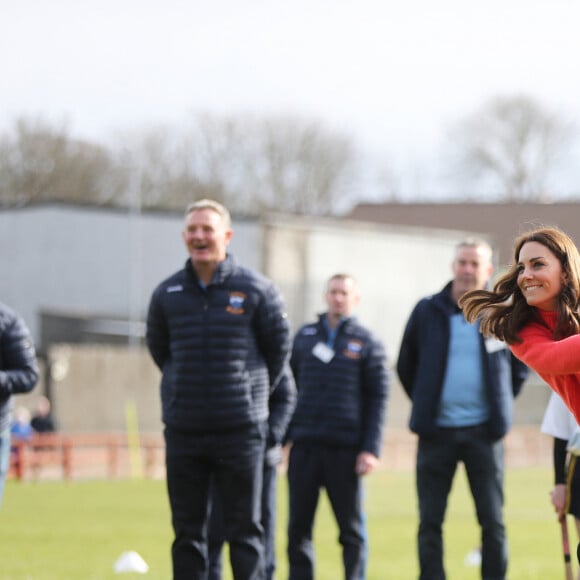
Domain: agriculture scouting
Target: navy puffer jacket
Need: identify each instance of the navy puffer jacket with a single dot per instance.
(342, 402)
(221, 350)
(18, 368)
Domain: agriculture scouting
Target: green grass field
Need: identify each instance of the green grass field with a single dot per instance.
(76, 531)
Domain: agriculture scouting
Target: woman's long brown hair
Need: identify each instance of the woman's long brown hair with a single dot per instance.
(503, 311)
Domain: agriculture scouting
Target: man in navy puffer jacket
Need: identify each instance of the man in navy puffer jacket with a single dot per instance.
(219, 334)
(336, 430)
(18, 374)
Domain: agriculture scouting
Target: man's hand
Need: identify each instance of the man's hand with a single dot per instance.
(365, 463)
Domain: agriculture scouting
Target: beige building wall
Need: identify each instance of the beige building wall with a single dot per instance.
(103, 388)
(394, 266)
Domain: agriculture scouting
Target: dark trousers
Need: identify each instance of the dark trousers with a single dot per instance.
(311, 467)
(363, 568)
(232, 462)
(217, 532)
(437, 460)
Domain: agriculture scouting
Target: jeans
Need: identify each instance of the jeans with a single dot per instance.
(311, 467)
(233, 463)
(437, 460)
(4, 458)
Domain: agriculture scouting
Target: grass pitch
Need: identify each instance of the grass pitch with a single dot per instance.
(77, 530)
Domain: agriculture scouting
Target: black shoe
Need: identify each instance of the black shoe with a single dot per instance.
(578, 553)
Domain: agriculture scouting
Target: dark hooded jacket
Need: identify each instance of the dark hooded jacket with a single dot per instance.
(422, 365)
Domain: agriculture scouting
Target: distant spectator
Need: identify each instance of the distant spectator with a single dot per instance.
(42, 421)
(20, 428)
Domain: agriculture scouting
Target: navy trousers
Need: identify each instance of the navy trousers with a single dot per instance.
(268, 519)
(312, 467)
(231, 461)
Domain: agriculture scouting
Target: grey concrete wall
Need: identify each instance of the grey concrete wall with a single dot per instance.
(395, 267)
(93, 260)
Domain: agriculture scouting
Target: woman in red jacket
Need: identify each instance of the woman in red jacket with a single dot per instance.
(534, 308)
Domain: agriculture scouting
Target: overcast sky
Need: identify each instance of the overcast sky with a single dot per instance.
(394, 74)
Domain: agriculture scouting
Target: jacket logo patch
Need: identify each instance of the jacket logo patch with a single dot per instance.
(353, 349)
(236, 305)
(176, 288)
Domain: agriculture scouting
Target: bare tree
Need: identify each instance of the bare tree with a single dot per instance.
(249, 163)
(221, 152)
(303, 167)
(39, 161)
(154, 161)
(514, 145)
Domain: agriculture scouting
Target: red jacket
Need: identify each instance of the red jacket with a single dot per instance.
(556, 361)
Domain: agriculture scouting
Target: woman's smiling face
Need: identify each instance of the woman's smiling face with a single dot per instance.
(540, 276)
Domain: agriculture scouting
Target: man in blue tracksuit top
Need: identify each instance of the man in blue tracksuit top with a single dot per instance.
(462, 388)
(219, 334)
(336, 430)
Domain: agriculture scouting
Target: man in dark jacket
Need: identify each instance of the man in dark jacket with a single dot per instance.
(462, 388)
(281, 406)
(219, 334)
(336, 430)
(18, 374)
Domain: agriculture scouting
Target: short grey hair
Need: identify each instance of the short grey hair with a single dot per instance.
(340, 276)
(220, 209)
(476, 243)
